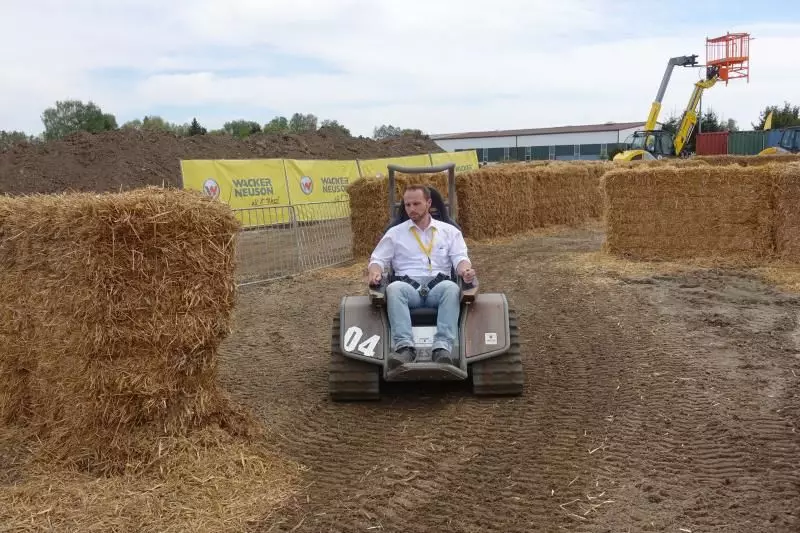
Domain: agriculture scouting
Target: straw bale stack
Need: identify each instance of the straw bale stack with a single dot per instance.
(498, 202)
(493, 201)
(649, 163)
(748, 160)
(787, 214)
(369, 205)
(672, 213)
(596, 170)
(113, 307)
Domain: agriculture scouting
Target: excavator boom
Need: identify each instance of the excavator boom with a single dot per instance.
(689, 119)
(655, 108)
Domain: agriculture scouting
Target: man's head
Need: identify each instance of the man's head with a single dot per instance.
(417, 200)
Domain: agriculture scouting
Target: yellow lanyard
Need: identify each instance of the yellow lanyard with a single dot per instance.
(425, 249)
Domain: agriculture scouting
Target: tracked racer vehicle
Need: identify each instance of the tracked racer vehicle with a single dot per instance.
(487, 344)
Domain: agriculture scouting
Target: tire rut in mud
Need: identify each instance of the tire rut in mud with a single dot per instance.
(443, 459)
(633, 416)
(711, 444)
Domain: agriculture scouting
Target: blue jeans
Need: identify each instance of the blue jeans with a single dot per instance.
(402, 297)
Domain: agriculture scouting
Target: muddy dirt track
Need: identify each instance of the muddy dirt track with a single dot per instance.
(652, 403)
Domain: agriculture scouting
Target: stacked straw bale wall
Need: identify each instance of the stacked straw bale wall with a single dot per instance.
(787, 213)
(499, 202)
(113, 307)
(492, 202)
(748, 160)
(511, 198)
(715, 212)
(369, 205)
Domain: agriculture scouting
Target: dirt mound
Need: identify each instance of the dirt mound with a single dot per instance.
(127, 159)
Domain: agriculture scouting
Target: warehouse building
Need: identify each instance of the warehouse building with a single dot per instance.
(593, 141)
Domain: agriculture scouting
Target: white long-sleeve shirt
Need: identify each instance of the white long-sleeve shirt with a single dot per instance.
(399, 249)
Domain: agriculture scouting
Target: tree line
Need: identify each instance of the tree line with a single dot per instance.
(70, 116)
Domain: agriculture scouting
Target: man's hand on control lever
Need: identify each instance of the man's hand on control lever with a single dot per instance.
(466, 271)
(374, 275)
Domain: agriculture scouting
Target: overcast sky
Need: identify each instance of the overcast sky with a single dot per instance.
(441, 66)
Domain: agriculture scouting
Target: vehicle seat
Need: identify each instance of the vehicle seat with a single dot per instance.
(439, 211)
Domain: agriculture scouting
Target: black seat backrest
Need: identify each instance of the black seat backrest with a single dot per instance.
(439, 211)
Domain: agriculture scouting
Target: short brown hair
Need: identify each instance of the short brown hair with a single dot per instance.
(425, 190)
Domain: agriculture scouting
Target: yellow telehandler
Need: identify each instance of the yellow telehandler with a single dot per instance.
(652, 143)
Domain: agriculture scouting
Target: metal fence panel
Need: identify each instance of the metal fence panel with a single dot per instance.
(282, 241)
(327, 239)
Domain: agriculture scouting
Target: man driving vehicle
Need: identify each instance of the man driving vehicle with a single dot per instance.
(422, 250)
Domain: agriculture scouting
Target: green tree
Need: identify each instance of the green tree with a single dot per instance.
(10, 138)
(300, 123)
(335, 126)
(709, 122)
(241, 128)
(277, 125)
(782, 117)
(196, 129)
(135, 124)
(387, 131)
(70, 116)
(157, 123)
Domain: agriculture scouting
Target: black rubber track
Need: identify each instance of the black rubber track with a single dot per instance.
(502, 375)
(349, 379)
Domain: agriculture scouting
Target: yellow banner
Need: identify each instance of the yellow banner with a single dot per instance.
(319, 181)
(241, 184)
(378, 168)
(465, 161)
(320, 187)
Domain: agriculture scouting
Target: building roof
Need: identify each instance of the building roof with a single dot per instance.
(587, 128)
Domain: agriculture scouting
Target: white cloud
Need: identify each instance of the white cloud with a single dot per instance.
(440, 66)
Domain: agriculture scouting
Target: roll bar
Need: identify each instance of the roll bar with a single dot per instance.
(451, 184)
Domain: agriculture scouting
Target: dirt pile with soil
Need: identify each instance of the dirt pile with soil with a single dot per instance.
(127, 159)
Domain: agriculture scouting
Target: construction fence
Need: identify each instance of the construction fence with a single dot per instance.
(295, 214)
(288, 240)
(266, 183)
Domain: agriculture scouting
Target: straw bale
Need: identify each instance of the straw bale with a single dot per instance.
(748, 160)
(501, 202)
(668, 162)
(113, 307)
(787, 223)
(494, 201)
(369, 205)
(668, 212)
(208, 482)
(596, 170)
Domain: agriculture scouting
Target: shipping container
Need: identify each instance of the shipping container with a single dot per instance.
(773, 137)
(746, 142)
(712, 143)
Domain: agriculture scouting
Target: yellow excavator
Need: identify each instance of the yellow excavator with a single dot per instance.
(652, 143)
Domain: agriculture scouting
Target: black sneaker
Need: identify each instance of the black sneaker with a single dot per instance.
(404, 355)
(440, 355)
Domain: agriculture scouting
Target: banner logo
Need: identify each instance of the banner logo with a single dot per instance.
(211, 188)
(306, 185)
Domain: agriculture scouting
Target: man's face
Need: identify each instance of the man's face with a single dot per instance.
(416, 205)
